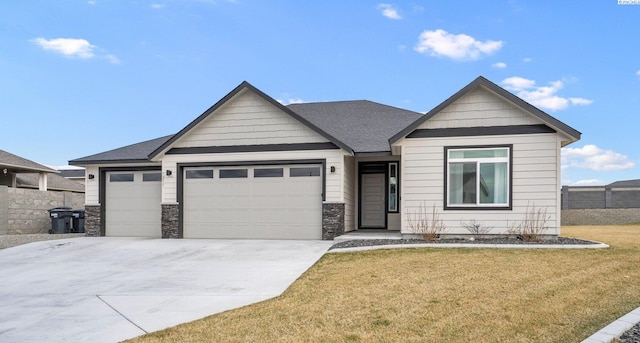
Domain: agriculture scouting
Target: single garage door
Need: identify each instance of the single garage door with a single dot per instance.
(132, 203)
(259, 202)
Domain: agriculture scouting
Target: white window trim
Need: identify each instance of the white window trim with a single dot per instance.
(507, 159)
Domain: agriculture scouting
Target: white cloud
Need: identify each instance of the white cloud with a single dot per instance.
(69, 47)
(74, 48)
(112, 59)
(638, 73)
(592, 157)
(499, 65)
(389, 11)
(590, 182)
(457, 47)
(527, 59)
(158, 6)
(91, 2)
(290, 101)
(542, 96)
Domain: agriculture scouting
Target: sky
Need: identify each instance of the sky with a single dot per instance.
(80, 77)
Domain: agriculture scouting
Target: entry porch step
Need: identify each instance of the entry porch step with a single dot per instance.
(368, 234)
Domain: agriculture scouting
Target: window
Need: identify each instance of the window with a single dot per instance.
(393, 187)
(199, 174)
(147, 177)
(304, 171)
(233, 173)
(128, 177)
(478, 177)
(268, 172)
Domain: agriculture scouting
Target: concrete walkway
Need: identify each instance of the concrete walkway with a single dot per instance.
(110, 289)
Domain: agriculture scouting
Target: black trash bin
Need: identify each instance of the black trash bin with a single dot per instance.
(78, 221)
(60, 219)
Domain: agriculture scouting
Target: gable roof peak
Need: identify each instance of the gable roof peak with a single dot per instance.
(501, 92)
(245, 85)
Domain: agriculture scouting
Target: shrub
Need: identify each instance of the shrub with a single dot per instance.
(476, 229)
(429, 226)
(534, 225)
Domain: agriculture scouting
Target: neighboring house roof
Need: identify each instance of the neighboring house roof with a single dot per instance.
(17, 164)
(72, 173)
(482, 82)
(364, 126)
(135, 153)
(625, 183)
(54, 182)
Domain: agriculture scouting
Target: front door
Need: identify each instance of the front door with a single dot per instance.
(372, 206)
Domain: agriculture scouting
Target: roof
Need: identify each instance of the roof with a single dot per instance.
(54, 182)
(625, 183)
(364, 126)
(483, 82)
(358, 127)
(244, 85)
(135, 153)
(72, 173)
(17, 164)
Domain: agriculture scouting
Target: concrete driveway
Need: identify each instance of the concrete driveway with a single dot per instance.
(110, 289)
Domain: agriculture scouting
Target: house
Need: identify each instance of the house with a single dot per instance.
(13, 165)
(28, 190)
(249, 167)
(75, 174)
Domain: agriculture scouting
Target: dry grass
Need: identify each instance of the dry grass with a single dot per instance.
(443, 295)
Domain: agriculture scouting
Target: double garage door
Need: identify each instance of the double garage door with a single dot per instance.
(253, 202)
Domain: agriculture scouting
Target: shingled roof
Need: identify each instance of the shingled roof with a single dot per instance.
(16, 164)
(54, 182)
(363, 125)
(625, 183)
(134, 153)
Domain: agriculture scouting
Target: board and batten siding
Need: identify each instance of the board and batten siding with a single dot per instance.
(350, 177)
(535, 180)
(248, 119)
(333, 157)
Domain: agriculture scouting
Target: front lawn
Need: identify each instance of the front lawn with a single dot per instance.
(443, 295)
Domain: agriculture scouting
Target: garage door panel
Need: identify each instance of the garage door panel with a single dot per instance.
(132, 205)
(275, 206)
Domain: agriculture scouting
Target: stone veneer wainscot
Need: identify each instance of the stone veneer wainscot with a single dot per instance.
(332, 220)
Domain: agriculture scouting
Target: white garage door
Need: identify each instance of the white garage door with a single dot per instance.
(260, 202)
(132, 203)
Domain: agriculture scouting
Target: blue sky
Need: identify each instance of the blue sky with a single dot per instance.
(79, 77)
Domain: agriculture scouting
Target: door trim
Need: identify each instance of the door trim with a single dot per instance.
(181, 167)
(102, 188)
(373, 168)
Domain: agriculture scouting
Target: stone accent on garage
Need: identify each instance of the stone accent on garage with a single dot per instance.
(170, 227)
(92, 222)
(332, 220)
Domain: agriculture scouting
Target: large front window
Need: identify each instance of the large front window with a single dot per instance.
(478, 177)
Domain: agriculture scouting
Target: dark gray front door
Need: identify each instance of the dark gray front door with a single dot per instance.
(372, 205)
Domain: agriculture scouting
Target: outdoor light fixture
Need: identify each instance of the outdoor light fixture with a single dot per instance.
(168, 172)
(333, 169)
(5, 171)
(90, 176)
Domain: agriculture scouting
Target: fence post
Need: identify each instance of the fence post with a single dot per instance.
(565, 198)
(607, 197)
